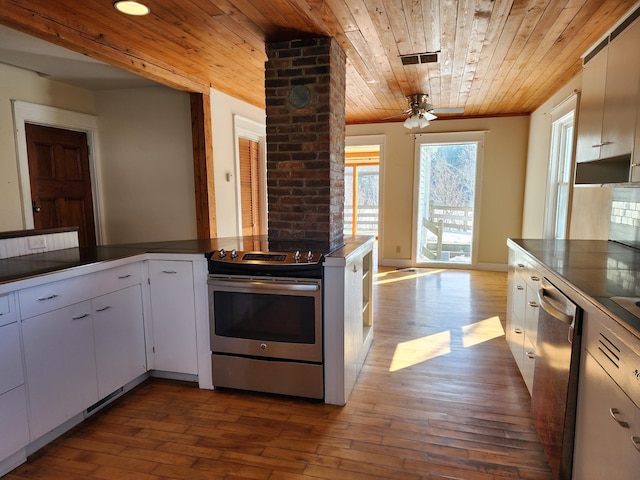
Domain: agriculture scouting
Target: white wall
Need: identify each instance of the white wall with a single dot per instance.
(19, 84)
(146, 168)
(223, 109)
(501, 190)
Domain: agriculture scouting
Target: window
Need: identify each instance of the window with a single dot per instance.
(560, 170)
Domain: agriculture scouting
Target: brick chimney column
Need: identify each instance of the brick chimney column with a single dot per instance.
(305, 89)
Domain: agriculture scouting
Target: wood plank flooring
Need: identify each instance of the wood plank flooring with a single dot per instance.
(439, 397)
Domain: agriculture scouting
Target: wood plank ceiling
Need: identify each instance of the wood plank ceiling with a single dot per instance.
(495, 57)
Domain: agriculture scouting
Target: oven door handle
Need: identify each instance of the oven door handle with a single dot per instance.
(268, 286)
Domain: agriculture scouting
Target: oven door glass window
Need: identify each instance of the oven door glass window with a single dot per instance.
(266, 317)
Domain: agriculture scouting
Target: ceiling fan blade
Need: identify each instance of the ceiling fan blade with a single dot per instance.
(448, 110)
(403, 114)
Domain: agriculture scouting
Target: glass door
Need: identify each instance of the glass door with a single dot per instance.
(445, 200)
(361, 190)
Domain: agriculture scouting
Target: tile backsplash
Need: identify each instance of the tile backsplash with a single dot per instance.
(37, 243)
(625, 216)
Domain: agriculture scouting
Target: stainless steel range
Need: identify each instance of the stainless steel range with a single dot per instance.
(265, 313)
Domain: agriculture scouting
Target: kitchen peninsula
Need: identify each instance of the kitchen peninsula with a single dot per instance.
(601, 278)
(116, 314)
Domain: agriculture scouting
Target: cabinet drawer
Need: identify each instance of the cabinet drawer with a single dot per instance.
(11, 374)
(54, 295)
(7, 312)
(117, 278)
(51, 296)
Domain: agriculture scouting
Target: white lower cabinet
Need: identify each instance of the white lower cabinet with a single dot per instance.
(173, 313)
(118, 332)
(348, 320)
(13, 418)
(78, 354)
(14, 431)
(607, 426)
(522, 314)
(60, 365)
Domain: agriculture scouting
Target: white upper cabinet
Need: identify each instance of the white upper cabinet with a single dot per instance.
(591, 108)
(609, 99)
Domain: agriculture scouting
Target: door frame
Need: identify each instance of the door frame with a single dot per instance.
(26, 112)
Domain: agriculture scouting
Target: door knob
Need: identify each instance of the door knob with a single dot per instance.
(35, 208)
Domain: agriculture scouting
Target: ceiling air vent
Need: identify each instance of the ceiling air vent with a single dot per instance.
(416, 58)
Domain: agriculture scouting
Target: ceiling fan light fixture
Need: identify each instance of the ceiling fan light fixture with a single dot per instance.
(423, 121)
(131, 7)
(412, 122)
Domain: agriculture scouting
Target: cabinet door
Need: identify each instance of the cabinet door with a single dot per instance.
(11, 374)
(621, 94)
(60, 365)
(603, 446)
(118, 328)
(13, 419)
(173, 312)
(591, 108)
(353, 322)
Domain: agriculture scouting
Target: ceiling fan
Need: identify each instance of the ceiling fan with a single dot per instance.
(421, 112)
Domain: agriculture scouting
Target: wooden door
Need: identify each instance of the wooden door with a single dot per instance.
(60, 180)
(250, 186)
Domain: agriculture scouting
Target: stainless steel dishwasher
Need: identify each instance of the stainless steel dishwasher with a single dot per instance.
(555, 380)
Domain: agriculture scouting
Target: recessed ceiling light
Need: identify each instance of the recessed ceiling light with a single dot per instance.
(131, 8)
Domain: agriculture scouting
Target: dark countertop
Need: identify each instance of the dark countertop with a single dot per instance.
(599, 269)
(27, 266)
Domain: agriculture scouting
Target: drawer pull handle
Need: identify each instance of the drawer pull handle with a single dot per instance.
(517, 330)
(614, 414)
(533, 304)
(636, 442)
(519, 287)
(79, 317)
(169, 271)
(601, 144)
(521, 265)
(122, 277)
(530, 354)
(50, 297)
(534, 278)
(102, 309)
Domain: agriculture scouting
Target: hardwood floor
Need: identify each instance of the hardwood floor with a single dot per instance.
(439, 397)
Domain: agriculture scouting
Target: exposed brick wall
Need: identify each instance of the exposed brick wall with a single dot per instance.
(305, 145)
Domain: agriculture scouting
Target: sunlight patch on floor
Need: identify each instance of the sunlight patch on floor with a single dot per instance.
(406, 275)
(414, 352)
(420, 350)
(481, 332)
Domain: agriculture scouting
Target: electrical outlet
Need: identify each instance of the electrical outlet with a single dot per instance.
(37, 242)
(397, 248)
